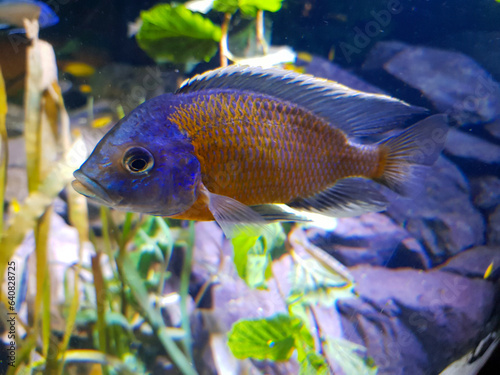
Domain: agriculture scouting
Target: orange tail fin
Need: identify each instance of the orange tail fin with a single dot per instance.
(401, 155)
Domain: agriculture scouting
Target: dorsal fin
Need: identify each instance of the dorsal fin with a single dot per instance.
(357, 113)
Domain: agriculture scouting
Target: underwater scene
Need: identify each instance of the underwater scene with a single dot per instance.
(250, 187)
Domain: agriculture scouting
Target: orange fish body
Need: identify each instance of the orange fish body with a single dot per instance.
(233, 143)
(258, 150)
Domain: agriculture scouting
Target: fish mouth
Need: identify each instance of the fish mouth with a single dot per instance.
(91, 189)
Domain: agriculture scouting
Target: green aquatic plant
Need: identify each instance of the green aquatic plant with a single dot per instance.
(252, 255)
(176, 34)
(316, 280)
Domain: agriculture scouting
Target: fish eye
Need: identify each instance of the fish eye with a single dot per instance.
(138, 160)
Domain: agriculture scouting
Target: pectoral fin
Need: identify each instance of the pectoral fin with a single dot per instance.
(234, 217)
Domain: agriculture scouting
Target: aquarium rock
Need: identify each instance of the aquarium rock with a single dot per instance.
(415, 322)
(373, 238)
(381, 53)
(494, 227)
(493, 128)
(463, 145)
(442, 215)
(474, 262)
(454, 82)
(321, 67)
(486, 192)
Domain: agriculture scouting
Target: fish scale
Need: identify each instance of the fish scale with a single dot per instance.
(248, 124)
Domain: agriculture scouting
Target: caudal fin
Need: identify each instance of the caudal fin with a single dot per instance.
(401, 155)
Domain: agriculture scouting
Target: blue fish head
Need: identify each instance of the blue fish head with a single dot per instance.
(144, 164)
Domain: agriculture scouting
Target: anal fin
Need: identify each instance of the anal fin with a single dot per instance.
(348, 197)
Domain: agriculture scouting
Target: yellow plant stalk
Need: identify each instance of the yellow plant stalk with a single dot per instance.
(40, 127)
(3, 149)
(51, 160)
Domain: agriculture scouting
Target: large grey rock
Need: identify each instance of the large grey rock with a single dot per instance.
(373, 70)
(324, 68)
(486, 192)
(493, 128)
(482, 46)
(494, 227)
(467, 146)
(442, 215)
(415, 322)
(381, 53)
(374, 239)
(474, 262)
(454, 82)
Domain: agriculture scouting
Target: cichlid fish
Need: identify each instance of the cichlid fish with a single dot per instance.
(233, 143)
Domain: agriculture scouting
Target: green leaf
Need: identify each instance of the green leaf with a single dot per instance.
(304, 341)
(225, 6)
(176, 34)
(318, 277)
(154, 242)
(350, 357)
(314, 364)
(272, 338)
(250, 7)
(242, 245)
(258, 270)
(313, 283)
(252, 255)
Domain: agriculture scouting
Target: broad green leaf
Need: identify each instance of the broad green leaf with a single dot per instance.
(241, 246)
(258, 270)
(351, 357)
(314, 364)
(226, 6)
(271, 338)
(174, 33)
(250, 7)
(252, 255)
(304, 341)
